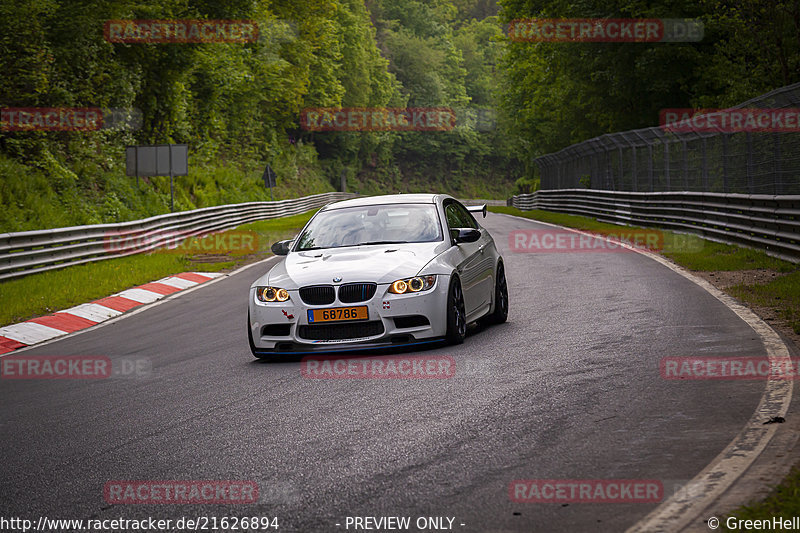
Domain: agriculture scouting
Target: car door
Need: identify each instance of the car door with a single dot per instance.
(470, 259)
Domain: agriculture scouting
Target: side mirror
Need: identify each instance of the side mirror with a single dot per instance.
(465, 234)
(281, 247)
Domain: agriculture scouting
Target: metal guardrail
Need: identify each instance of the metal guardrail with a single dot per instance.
(481, 202)
(768, 222)
(29, 252)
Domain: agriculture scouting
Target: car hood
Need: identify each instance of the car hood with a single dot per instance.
(376, 263)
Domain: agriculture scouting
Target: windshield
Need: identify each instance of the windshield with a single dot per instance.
(374, 224)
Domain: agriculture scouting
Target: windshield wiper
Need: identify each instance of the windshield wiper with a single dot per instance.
(381, 242)
(349, 245)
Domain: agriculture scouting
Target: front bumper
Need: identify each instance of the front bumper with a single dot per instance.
(283, 327)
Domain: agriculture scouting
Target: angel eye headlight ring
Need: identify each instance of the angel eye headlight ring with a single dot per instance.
(415, 284)
(399, 286)
(272, 294)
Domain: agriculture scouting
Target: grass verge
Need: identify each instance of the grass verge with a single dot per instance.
(782, 294)
(47, 292)
(783, 502)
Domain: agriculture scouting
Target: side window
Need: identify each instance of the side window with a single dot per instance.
(458, 217)
(453, 218)
(467, 220)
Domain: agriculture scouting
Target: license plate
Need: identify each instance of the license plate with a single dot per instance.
(338, 314)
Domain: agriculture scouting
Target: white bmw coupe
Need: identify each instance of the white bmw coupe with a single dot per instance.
(379, 271)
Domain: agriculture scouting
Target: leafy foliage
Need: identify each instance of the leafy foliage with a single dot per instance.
(556, 94)
(238, 105)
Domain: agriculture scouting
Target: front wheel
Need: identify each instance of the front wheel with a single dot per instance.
(500, 313)
(456, 314)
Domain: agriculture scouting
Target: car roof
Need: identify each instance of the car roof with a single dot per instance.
(385, 199)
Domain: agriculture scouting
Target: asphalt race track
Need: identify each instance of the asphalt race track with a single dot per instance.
(568, 389)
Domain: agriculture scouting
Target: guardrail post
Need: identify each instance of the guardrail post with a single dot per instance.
(171, 185)
(558, 176)
(567, 175)
(666, 165)
(749, 158)
(650, 166)
(777, 179)
(725, 162)
(705, 166)
(685, 161)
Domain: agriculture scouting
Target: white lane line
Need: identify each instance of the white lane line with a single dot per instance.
(179, 283)
(140, 295)
(209, 274)
(684, 507)
(93, 312)
(30, 332)
(679, 511)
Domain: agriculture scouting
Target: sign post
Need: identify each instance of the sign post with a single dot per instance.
(158, 160)
(171, 187)
(269, 180)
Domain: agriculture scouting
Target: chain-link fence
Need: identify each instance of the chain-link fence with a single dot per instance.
(655, 159)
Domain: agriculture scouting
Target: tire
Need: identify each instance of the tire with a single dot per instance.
(500, 313)
(456, 314)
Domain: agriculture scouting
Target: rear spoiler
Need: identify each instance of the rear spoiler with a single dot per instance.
(477, 209)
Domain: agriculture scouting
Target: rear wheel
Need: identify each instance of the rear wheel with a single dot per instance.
(456, 314)
(500, 313)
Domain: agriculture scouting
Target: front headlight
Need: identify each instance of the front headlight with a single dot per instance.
(417, 284)
(271, 294)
